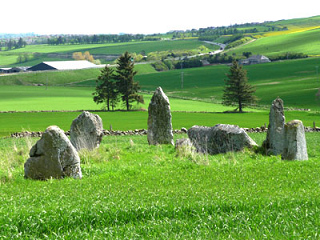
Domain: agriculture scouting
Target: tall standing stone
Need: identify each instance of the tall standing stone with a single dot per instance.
(159, 119)
(86, 131)
(53, 156)
(295, 146)
(274, 142)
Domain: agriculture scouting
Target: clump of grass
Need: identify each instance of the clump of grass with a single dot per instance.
(13, 157)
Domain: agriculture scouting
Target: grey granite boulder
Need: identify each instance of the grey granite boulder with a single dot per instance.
(86, 131)
(159, 119)
(295, 146)
(53, 156)
(221, 138)
(274, 142)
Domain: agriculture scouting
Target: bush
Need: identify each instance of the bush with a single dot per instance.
(160, 66)
(238, 42)
(189, 63)
(288, 56)
(220, 58)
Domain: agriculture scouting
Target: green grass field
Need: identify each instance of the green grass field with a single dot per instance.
(131, 190)
(297, 42)
(294, 81)
(39, 121)
(10, 57)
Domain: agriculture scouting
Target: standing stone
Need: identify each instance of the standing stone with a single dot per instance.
(221, 138)
(53, 156)
(86, 131)
(295, 146)
(275, 134)
(159, 119)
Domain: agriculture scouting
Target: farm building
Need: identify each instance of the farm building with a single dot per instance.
(62, 65)
(255, 59)
(12, 70)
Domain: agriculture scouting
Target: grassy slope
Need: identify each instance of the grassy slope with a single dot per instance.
(17, 122)
(10, 57)
(301, 37)
(294, 81)
(306, 42)
(132, 190)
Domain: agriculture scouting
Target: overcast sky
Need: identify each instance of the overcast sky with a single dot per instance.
(142, 16)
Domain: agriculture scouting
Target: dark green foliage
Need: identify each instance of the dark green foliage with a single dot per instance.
(220, 58)
(126, 85)
(189, 63)
(247, 54)
(160, 66)
(237, 91)
(288, 55)
(106, 89)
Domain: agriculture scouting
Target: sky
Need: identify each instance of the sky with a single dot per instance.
(142, 16)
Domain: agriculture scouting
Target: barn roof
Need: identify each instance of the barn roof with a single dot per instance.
(70, 65)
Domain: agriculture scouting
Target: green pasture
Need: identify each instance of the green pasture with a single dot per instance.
(116, 48)
(50, 77)
(155, 46)
(53, 98)
(306, 42)
(298, 22)
(121, 120)
(131, 190)
(10, 57)
(295, 81)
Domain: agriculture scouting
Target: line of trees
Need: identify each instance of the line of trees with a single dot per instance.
(93, 39)
(13, 44)
(113, 85)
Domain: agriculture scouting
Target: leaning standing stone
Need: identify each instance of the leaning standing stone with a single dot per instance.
(159, 119)
(53, 156)
(295, 146)
(275, 134)
(86, 131)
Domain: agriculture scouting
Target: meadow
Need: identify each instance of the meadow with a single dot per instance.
(131, 190)
(297, 42)
(10, 57)
(295, 81)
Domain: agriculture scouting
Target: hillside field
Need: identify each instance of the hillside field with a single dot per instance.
(132, 190)
(295, 81)
(10, 57)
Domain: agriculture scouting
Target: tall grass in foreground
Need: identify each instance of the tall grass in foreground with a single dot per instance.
(131, 190)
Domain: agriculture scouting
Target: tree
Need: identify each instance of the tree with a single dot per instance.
(238, 92)
(85, 56)
(88, 57)
(78, 56)
(126, 85)
(247, 54)
(106, 89)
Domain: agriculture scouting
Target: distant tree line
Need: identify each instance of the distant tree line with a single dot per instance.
(288, 55)
(211, 34)
(12, 44)
(93, 39)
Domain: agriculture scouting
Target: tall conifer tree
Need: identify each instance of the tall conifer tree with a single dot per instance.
(237, 91)
(106, 89)
(126, 85)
